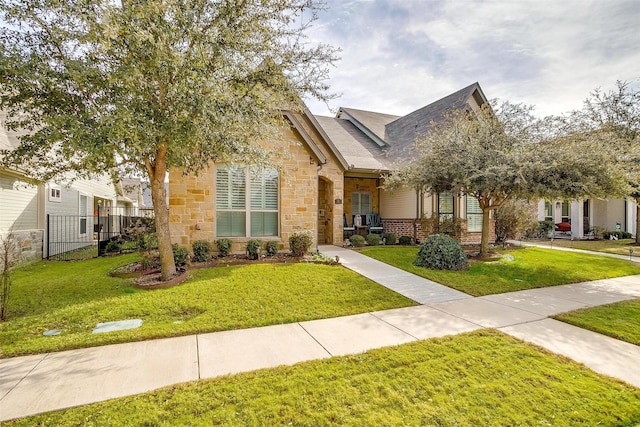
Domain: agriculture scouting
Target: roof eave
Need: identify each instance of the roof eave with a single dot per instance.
(315, 150)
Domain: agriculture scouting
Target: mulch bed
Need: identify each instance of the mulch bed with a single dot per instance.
(149, 278)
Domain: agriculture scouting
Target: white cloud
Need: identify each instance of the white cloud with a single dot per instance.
(401, 55)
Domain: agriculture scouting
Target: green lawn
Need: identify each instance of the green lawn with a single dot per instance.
(620, 247)
(482, 378)
(531, 268)
(620, 320)
(74, 296)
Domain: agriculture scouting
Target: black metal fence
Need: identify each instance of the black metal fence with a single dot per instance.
(71, 237)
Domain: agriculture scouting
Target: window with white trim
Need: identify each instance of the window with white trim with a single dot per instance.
(474, 215)
(548, 211)
(237, 218)
(82, 213)
(55, 194)
(361, 202)
(565, 212)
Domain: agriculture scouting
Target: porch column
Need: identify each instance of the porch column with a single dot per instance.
(630, 205)
(577, 219)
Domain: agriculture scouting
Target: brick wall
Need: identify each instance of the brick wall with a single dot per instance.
(405, 227)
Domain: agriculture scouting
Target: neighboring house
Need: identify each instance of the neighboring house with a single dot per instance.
(583, 215)
(332, 166)
(372, 143)
(51, 218)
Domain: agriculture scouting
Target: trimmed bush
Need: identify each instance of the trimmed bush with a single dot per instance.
(357, 241)
(272, 247)
(113, 246)
(441, 252)
(253, 248)
(373, 239)
(201, 250)
(224, 246)
(405, 240)
(300, 243)
(180, 255)
(389, 238)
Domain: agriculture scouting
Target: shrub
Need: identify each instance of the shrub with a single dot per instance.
(373, 239)
(180, 255)
(113, 246)
(272, 247)
(454, 227)
(544, 227)
(139, 231)
(389, 238)
(253, 248)
(224, 246)
(148, 242)
(607, 235)
(357, 241)
(513, 220)
(201, 251)
(300, 243)
(598, 232)
(441, 252)
(405, 240)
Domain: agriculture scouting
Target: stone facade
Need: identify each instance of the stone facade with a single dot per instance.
(29, 244)
(192, 213)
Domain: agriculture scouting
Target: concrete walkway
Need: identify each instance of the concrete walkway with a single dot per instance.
(40, 383)
(582, 251)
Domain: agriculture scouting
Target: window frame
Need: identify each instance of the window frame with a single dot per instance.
(55, 194)
(83, 216)
(473, 214)
(565, 218)
(246, 207)
(358, 195)
(446, 214)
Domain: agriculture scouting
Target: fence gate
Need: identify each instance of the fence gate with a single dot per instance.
(72, 237)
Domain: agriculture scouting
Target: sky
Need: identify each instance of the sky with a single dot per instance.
(400, 55)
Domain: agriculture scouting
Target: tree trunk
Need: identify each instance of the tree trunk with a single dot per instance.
(637, 221)
(157, 172)
(484, 242)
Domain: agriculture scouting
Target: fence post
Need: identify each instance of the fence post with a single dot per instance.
(48, 236)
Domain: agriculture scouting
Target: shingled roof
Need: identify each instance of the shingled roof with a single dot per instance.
(371, 141)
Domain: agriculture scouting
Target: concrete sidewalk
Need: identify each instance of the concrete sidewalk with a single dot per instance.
(40, 383)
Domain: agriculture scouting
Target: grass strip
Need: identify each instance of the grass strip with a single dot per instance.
(74, 297)
(620, 320)
(530, 268)
(480, 378)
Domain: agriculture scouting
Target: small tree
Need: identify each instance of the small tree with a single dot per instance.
(495, 154)
(514, 219)
(9, 257)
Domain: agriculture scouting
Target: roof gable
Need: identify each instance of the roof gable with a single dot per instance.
(375, 141)
(407, 128)
(358, 150)
(370, 123)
